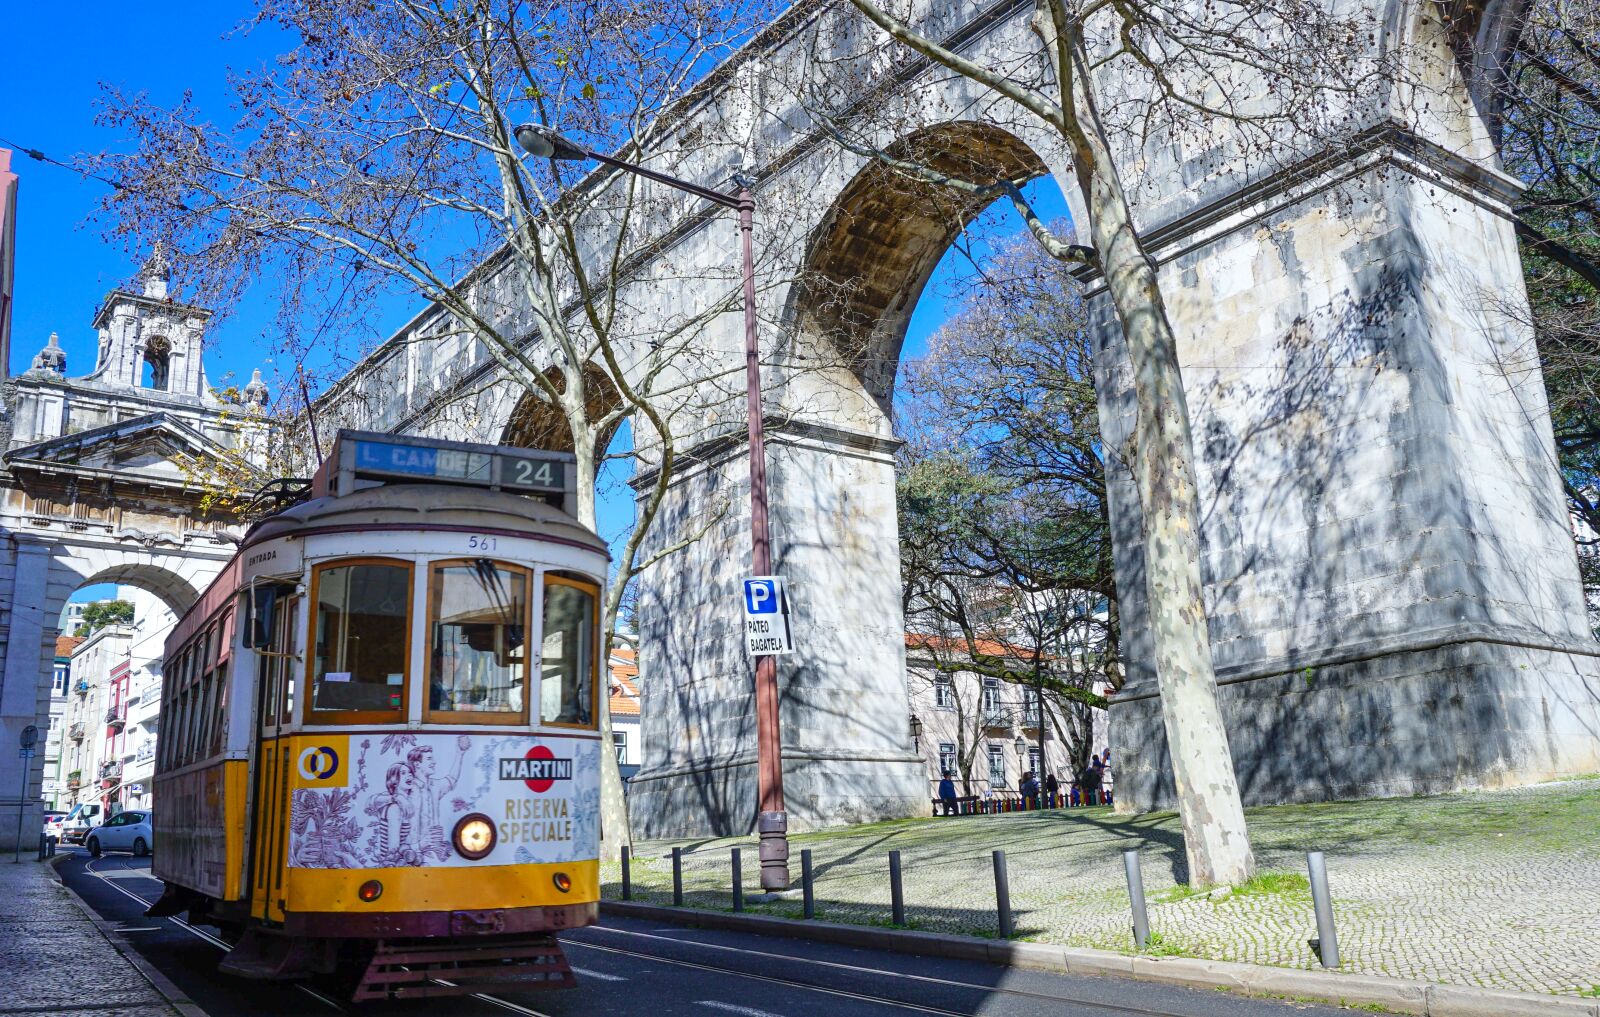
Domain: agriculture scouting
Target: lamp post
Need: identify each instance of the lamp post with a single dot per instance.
(772, 821)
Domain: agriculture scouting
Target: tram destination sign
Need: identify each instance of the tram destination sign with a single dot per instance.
(394, 457)
(766, 616)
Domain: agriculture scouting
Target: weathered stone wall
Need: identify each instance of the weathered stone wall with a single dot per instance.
(1391, 585)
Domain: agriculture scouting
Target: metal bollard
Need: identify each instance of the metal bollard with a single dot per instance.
(810, 900)
(627, 873)
(44, 846)
(1002, 895)
(1327, 942)
(738, 882)
(1141, 917)
(677, 877)
(896, 892)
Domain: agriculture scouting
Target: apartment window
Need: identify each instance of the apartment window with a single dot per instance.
(947, 758)
(997, 765)
(620, 740)
(60, 684)
(1033, 759)
(944, 694)
(991, 697)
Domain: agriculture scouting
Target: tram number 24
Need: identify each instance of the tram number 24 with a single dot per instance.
(480, 543)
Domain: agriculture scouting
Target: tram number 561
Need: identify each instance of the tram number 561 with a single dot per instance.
(478, 543)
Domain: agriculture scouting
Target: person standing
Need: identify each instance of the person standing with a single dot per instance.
(1052, 788)
(947, 794)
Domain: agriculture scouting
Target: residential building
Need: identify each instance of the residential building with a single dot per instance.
(99, 668)
(624, 703)
(984, 731)
(8, 256)
(53, 787)
(152, 623)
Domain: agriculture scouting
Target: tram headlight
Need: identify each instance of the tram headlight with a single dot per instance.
(474, 836)
(562, 881)
(370, 891)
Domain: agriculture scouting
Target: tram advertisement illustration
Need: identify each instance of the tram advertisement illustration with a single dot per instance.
(381, 801)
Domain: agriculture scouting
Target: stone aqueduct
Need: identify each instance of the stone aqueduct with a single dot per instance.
(1394, 598)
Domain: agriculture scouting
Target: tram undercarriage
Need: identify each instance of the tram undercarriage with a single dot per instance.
(479, 955)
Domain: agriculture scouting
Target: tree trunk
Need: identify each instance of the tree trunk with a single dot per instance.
(1162, 459)
(615, 830)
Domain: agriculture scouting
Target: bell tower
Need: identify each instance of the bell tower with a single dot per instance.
(150, 341)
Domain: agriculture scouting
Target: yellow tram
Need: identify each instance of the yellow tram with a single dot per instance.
(379, 752)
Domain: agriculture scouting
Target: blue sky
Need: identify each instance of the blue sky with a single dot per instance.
(64, 268)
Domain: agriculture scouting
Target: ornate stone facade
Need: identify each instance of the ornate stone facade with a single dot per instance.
(95, 487)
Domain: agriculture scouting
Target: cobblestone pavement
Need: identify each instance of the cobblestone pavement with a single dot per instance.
(52, 954)
(1492, 888)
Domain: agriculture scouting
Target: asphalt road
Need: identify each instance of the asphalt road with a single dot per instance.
(630, 968)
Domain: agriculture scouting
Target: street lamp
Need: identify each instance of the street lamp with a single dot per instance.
(772, 821)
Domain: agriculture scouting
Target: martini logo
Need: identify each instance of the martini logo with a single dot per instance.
(539, 769)
(319, 763)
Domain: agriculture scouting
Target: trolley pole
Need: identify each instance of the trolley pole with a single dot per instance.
(772, 819)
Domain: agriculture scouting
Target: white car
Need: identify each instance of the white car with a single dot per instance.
(126, 831)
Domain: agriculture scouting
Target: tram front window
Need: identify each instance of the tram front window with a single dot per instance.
(567, 673)
(477, 658)
(359, 663)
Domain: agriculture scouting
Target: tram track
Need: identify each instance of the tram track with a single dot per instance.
(226, 947)
(855, 969)
(766, 958)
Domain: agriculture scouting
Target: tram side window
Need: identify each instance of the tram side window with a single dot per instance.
(566, 687)
(290, 641)
(359, 658)
(477, 637)
(219, 713)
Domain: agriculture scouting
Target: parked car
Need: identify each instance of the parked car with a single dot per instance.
(128, 830)
(52, 824)
(83, 817)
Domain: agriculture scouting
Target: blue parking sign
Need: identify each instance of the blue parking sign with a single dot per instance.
(766, 616)
(761, 596)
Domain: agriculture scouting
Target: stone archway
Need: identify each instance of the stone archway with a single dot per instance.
(535, 423)
(830, 456)
(874, 250)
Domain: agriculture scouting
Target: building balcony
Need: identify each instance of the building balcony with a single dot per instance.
(74, 780)
(996, 718)
(80, 686)
(116, 717)
(75, 732)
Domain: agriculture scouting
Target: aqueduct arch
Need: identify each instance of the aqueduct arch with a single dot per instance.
(872, 253)
(1392, 587)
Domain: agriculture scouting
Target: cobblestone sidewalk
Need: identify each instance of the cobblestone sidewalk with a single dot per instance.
(1498, 889)
(53, 955)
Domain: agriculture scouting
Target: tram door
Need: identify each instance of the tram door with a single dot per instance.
(269, 839)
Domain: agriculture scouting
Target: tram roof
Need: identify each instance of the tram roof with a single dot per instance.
(399, 506)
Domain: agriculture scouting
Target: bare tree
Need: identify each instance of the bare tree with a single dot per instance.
(376, 158)
(1105, 77)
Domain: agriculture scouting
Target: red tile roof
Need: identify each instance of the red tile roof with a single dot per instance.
(624, 683)
(985, 647)
(66, 644)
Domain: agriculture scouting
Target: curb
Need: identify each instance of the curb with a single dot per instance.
(1398, 995)
(175, 997)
